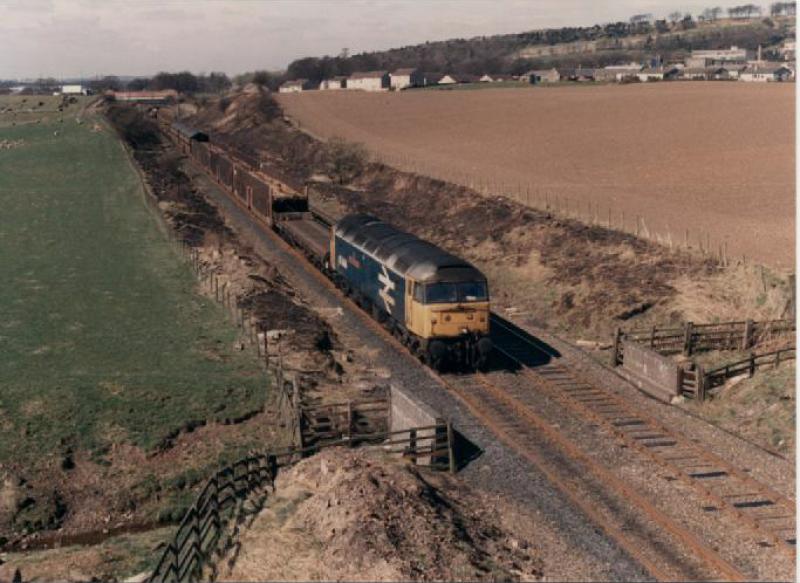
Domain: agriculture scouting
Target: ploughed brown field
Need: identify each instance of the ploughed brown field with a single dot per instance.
(715, 159)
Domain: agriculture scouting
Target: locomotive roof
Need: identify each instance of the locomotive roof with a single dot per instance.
(189, 132)
(403, 252)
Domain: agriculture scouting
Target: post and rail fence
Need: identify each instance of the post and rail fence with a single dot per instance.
(690, 379)
(691, 338)
(199, 537)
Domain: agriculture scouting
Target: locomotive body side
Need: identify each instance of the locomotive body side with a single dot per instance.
(437, 303)
(383, 287)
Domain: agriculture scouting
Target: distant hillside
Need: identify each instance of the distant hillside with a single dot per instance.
(597, 45)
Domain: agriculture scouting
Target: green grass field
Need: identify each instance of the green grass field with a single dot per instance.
(102, 337)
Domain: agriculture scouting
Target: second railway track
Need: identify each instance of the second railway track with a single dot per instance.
(768, 514)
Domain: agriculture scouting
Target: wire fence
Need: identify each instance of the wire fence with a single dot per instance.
(551, 199)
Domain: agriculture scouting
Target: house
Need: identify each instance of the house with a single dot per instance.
(369, 81)
(766, 72)
(536, 76)
(617, 72)
(446, 80)
(295, 86)
(339, 82)
(486, 78)
(403, 78)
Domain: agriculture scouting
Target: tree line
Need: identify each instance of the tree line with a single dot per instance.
(493, 54)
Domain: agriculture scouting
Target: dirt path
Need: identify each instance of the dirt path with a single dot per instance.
(714, 158)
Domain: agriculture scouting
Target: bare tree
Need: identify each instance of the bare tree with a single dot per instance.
(344, 161)
(675, 16)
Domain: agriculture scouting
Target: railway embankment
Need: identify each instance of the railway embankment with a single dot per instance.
(548, 271)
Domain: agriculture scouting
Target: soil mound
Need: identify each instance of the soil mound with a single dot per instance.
(346, 515)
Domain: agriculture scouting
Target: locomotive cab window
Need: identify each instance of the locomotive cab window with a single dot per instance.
(419, 292)
(442, 293)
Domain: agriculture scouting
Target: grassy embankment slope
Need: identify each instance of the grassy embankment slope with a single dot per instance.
(104, 343)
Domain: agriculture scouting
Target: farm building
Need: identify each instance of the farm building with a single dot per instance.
(446, 80)
(787, 50)
(724, 72)
(74, 90)
(617, 72)
(465, 78)
(486, 78)
(658, 74)
(154, 97)
(766, 73)
(706, 58)
(402, 78)
(296, 86)
(536, 76)
(333, 84)
(433, 78)
(578, 74)
(695, 73)
(369, 81)
(453, 79)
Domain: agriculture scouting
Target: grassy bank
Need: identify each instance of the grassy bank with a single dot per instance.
(103, 340)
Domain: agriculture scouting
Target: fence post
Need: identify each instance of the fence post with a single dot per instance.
(197, 551)
(412, 445)
(687, 339)
(752, 368)
(451, 456)
(700, 378)
(615, 359)
(747, 338)
(653, 338)
(272, 464)
(349, 423)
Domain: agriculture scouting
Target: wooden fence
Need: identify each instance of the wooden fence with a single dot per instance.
(201, 531)
(347, 420)
(692, 338)
(708, 379)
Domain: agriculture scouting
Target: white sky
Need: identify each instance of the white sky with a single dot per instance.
(68, 38)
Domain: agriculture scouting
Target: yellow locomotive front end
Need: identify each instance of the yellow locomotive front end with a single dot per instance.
(450, 312)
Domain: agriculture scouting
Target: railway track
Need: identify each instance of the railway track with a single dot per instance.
(662, 546)
(665, 548)
(766, 513)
